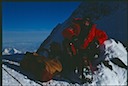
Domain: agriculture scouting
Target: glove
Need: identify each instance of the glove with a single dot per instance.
(94, 44)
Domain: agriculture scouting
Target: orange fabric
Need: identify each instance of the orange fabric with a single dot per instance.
(53, 66)
(31, 63)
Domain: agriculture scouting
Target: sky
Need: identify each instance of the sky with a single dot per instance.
(25, 25)
(33, 16)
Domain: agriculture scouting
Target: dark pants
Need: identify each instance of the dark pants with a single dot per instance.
(101, 57)
(90, 53)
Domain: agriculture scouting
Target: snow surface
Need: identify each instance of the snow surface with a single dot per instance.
(103, 76)
(8, 80)
(116, 50)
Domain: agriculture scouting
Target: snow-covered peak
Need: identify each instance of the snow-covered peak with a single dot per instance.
(10, 51)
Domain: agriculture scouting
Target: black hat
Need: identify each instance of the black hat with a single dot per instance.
(87, 18)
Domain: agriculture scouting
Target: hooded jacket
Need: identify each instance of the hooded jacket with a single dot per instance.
(94, 33)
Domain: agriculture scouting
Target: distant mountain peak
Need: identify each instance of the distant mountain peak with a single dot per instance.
(10, 51)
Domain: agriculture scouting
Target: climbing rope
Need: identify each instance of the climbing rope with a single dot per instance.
(13, 77)
(18, 80)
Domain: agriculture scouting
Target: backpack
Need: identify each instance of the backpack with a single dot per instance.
(42, 68)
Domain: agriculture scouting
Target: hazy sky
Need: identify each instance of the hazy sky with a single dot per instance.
(26, 24)
(32, 16)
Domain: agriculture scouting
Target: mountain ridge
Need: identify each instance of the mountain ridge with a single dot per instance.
(105, 15)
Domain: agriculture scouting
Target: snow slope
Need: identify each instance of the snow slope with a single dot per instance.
(103, 76)
(117, 76)
(116, 50)
(9, 80)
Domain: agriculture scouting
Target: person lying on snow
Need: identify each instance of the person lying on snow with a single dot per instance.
(84, 42)
(43, 68)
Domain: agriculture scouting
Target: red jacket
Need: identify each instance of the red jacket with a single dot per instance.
(100, 35)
